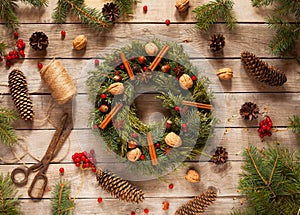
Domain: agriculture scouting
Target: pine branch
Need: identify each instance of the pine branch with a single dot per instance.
(8, 135)
(125, 6)
(7, 13)
(295, 124)
(9, 201)
(210, 13)
(36, 3)
(259, 3)
(61, 202)
(2, 48)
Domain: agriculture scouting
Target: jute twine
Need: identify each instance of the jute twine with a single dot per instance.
(58, 82)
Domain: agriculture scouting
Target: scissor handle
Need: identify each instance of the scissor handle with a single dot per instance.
(20, 171)
(38, 192)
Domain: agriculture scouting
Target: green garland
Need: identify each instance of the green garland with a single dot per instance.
(126, 125)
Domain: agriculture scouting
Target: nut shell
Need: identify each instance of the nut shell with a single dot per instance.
(80, 42)
(173, 140)
(182, 5)
(116, 88)
(151, 49)
(134, 154)
(225, 74)
(185, 81)
(192, 176)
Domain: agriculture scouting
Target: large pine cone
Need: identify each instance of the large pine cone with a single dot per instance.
(18, 87)
(216, 42)
(39, 41)
(262, 71)
(249, 111)
(111, 11)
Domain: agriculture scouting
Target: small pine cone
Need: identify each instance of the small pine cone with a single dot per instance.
(18, 87)
(220, 156)
(216, 42)
(39, 41)
(111, 11)
(198, 204)
(262, 71)
(249, 111)
(118, 187)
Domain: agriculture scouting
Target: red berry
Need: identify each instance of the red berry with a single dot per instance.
(20, 41)
(132, 213)
(184, 125)
(95, 126)
(157, 145)
(146, 210)
(103, 96)
(16, 34)
(63, 34)
(145, 68)
(96, 62)
(134, 135)
(145, 8)
(176, 108)
(8, 63)
(142, 157)
(77, 160)
(40, 66)
(122, 67)
(8, 57)
(1, 59)
(194, 77)
(94, 169)
(261, 135)
(171, 186)
(117, 73)
(92, 151)
(20, 47)
(167, 22)
(77, 164)
(22, 53)
(61, 170)
(99, 200)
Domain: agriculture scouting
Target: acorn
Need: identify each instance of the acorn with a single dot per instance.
(103, 108)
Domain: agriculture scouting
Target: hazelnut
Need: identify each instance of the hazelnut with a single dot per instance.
(225, 74)
(173, 140)
(151, 49)
(182, 5)
(192, 176)
(116, 88)
(185, 81)
(134, 154)
(80, 42)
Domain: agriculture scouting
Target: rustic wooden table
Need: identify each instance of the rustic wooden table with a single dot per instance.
(252, 34)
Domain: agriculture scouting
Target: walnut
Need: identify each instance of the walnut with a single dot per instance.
(80, 42)
(134, 154)
(182, 5)
(116, 88)
(185, 81)
(173, 140)
(151, 49)
(192, 176)
(225, 74)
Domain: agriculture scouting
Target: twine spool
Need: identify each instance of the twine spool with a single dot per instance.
(58, 82)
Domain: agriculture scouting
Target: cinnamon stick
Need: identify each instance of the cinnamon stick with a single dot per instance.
(110, 115)
(127, 66)
(151, 149)
(159, 57)
(198, 105)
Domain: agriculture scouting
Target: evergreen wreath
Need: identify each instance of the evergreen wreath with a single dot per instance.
(190, 126)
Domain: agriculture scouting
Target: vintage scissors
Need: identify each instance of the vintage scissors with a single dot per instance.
(59, 137)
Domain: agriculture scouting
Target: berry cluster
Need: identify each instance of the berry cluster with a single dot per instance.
(15, 54)
(85, 160)
(265, 127)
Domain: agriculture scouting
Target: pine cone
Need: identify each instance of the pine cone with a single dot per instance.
(118, 187)
(262, 71)
(18, 87)
(220, 156)
(111, 11)
(198, 204)
(216, 42)
(249, 111)
(39, 41)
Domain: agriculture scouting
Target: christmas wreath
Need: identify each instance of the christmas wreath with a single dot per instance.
(151, 67)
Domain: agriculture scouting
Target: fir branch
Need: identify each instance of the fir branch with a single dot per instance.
(259, 3)
(61, 202)
(7, 13)
(295, 124)
(125, 6)
(9, 201)
(209, 13)
(36, 3)
(8, 135)
(2, 48)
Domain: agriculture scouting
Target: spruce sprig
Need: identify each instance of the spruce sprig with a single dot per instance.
(8, 135)
(209, 13)
(295, 124)
(2, 48)
(9, 200)
(270, 181)
(7, 11)
(61, 202)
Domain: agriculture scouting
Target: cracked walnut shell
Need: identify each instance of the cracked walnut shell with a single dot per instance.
(173, 140)
(225, 74)
(185, 81)
(192, 176)
(116, 88)
(134, 154)
(79, 42)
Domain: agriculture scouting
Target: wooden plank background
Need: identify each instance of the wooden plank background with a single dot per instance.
(232, 132)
